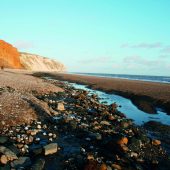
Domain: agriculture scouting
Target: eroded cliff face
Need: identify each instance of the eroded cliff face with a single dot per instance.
(9, 56)
(38, 63)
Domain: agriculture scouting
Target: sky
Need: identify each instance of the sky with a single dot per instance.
(99, 36)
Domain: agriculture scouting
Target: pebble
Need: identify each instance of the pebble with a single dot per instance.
(3, 159)
(39, 126)
(156, 142)
(60, 106)
(123, 140)
(116, 166)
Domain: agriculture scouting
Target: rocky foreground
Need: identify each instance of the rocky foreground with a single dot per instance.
(78, 133)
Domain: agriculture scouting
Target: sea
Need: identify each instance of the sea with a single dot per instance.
(160, 79)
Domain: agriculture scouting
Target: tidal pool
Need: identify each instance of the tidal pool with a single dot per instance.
(127, 107)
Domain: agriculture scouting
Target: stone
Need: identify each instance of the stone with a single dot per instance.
(105, 123)
(125, 124)
(134, 154)
(156, 142)
(3, 159)
(21, 162)
(103, 167)
(8, 153)
(50, 134)
(124, 148)
(91, 165)
(123, 141)
(113, 106)
(50, 148)
(39, 164)
(30, 139)
(90, 157)
(33, 132)
(54, 136)
(39, 126)
(20, 145)
(37, 151)
(60, 106)
(3, 139)
(116, 166)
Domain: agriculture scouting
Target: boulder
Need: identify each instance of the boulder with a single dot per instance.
(8, 153)
(21, 162)
(50, 148)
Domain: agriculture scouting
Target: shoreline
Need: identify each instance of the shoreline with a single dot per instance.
(69, 129)
(147, 96)
(124, 78)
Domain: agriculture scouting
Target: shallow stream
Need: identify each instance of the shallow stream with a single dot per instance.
(127, 107)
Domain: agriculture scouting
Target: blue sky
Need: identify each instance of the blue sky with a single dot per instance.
(105, 36)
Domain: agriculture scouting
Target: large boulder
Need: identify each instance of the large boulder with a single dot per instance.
(9, 56)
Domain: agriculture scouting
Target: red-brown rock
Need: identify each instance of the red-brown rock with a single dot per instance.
(9, 56)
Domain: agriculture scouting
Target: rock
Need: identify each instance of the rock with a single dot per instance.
(39, 164)
(98, 136)
(37, 151)
(54, 136)
(156, 142)
(19, 146)
(123, 141)
(39, 126)
(33, 132)
(30, 139)
(134, 154)
(50, 148)
(113, 106)
(124, 148)
(60, 106)
(116, 166)
(53, 112)
(50, 134)
(103, 167)
(14, 149)
(91, 165)
(125, 124)
(3, 139)
(105, 123)
(8, 153)
(90, 157)
(21, 162)
(3, 159)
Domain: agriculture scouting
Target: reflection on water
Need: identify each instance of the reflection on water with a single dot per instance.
(128, 108)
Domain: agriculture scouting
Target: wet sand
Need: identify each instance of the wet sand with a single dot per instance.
(145, 95)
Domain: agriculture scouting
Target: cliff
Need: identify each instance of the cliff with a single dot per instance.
(9, 56)
(38, 63)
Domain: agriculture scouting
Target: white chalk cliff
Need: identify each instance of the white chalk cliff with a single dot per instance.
(38, 63)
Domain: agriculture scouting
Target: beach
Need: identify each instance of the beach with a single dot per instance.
(48, 124)
(145, 95)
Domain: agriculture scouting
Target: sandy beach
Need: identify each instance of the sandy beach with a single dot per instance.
(18, 103)
(146, 95)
